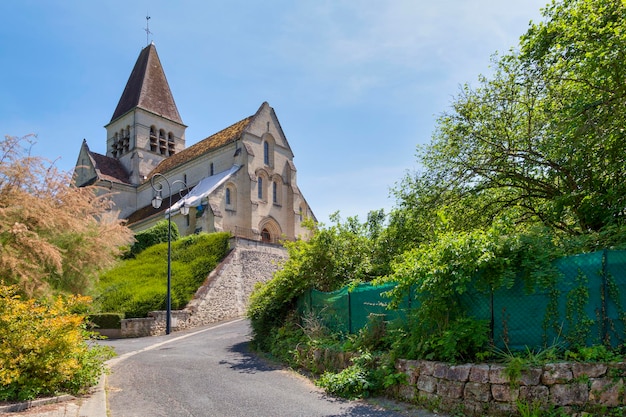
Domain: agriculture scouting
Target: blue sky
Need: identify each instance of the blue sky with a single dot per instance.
(356, 84)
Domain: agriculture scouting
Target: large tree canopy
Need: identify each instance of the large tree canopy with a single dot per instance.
(541, 140)
(53, 237)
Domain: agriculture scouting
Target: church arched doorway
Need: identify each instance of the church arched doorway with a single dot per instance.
(270, 231)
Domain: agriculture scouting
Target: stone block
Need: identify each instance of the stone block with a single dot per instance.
(576, 393)
(536, 393)
(504, 393)
(501, 409)
(427, 367)
(557, 373)
(591, 370)
(401, 365)
(476, 391)
(427, 384)
(616, 369)
(475, 408)
(497, 375)
(412, 371)
(459, 373)
(450, 389)
(440, 370)
(530, 376)
(479, 373)
(606, 392)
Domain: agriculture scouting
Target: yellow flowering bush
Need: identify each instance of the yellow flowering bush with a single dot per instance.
(44, 347)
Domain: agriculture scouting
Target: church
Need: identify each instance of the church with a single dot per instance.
(241, 179)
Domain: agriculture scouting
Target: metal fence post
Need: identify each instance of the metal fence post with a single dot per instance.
(604, 296)
(492, 322)
(349, 313)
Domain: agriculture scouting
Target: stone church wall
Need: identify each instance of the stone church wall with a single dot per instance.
(225, 293)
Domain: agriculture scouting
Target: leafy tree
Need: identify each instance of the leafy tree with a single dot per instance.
(542, 140)
(345, 253)
(53, 236)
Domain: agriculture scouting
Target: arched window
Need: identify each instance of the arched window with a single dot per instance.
(170, 144)
(266, 153)
(230, 197)
(126, 139)
(154, 144)
(162, 142)
(301, 215)
(268, 143)
(211, 169)
(274, 192)
(266, 236)
(259, 188)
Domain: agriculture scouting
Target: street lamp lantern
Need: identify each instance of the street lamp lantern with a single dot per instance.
(184, 210)
(157, 200)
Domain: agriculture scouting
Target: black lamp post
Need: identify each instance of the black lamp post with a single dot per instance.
(184, 210)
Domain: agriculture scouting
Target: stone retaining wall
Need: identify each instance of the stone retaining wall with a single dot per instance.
(225, 293)
(485, 388)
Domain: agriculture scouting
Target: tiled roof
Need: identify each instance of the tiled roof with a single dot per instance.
(230, 134)
(148, 89)
(109, 168)
(149, 211)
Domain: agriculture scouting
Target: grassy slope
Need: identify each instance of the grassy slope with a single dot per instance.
(137, 286)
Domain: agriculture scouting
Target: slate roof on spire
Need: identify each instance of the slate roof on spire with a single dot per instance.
(147, 88)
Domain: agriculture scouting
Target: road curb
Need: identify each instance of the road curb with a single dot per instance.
(25, 405)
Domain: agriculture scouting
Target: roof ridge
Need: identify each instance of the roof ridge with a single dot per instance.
(216, 140)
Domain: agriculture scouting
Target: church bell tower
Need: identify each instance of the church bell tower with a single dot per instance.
(146, 127)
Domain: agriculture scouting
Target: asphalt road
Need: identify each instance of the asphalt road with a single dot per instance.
(211, 372)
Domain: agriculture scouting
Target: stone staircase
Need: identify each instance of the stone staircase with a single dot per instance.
(225, 293)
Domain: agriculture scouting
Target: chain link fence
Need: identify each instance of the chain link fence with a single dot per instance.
(583, 306)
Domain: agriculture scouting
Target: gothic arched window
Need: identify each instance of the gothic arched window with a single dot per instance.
(259, 190)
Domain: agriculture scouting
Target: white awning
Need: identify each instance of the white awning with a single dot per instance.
(205, 187)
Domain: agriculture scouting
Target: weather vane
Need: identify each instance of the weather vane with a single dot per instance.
(147, 29)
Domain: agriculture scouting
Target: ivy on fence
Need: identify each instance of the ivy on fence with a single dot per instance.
(581, 306)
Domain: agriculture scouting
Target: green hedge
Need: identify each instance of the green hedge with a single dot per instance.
(106, 320)
(156, 234)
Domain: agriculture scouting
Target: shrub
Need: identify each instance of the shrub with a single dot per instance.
(106, 320)
(350, 383)
(368, 375)
(460, 340)
(156, 234)
(44, 349)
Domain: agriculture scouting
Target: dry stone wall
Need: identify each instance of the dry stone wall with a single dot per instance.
(225, 293)
(227, 290)
(480, 389)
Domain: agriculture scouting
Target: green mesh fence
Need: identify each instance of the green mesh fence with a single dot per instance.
(348, 311)
(584, 307)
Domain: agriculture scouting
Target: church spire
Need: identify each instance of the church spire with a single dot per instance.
(147, 88)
